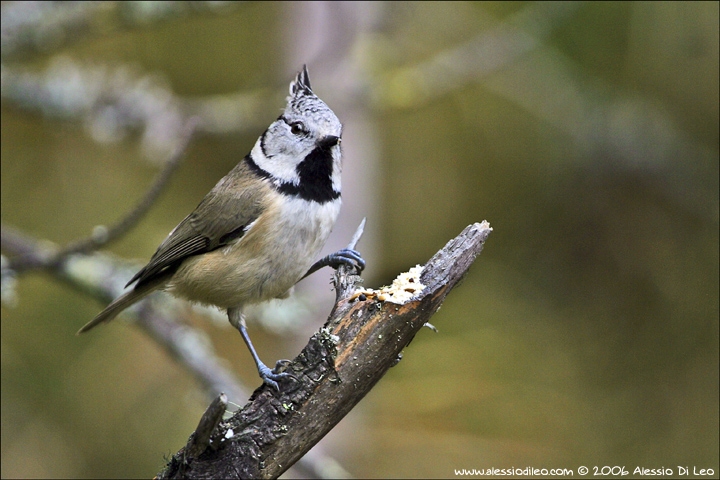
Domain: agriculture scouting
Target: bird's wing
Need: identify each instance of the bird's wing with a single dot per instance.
(222, 217)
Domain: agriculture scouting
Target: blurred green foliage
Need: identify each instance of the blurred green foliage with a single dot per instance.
(585, 334)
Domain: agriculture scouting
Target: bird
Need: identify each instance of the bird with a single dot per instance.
(257, 232)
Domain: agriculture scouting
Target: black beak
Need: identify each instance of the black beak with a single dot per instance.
(328, 141)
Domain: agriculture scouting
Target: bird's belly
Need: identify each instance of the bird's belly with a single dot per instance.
(264, 264)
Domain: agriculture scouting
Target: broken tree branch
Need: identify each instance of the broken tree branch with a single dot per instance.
(341, 363)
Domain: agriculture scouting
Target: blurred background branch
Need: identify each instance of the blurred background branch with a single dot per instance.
(33, 258)
(44, 27)
(189, 347)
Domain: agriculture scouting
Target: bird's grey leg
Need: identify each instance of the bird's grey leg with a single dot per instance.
(236, 320)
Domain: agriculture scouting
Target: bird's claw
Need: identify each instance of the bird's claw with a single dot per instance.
(271, 378)
(347, 257)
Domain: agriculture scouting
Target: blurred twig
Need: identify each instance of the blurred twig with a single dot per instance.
(112, 100)
(102, 235)
(188, 345)
(611, 128)
(486, 53)
(29, 27)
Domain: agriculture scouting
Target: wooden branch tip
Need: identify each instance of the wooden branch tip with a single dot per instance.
(342, 281)
(358, 233)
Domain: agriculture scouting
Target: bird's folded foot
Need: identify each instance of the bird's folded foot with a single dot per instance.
(347, 257)
(271, 378)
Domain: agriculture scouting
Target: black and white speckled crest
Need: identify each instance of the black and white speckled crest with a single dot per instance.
(300, 151)
(301, 84)
(303, 100)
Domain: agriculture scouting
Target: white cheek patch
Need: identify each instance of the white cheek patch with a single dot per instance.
(281, 166)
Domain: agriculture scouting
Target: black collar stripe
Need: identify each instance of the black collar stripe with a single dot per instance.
(315, 181)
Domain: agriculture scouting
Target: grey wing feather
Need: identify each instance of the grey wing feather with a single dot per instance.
(169, 255)
(221, 218)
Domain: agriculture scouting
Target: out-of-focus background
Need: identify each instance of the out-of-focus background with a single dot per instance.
(586, 334)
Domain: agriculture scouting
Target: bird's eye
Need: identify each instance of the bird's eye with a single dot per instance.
(297, 128)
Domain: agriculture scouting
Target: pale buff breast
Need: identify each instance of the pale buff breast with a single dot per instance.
(265, 263)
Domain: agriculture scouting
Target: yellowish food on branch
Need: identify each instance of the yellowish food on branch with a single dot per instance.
(403, 289)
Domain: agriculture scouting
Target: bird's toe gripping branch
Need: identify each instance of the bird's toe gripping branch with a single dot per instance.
(345, 257)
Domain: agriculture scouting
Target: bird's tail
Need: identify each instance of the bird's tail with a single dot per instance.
(124, 301)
